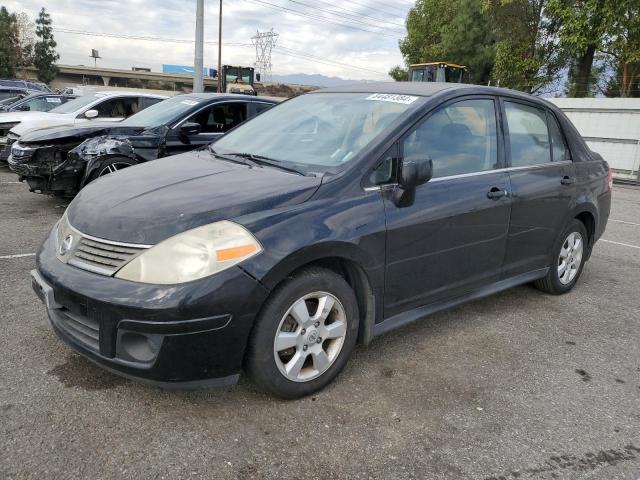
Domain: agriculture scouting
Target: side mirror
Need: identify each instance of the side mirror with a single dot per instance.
(91, 114)
(416, 170)
(257, 77)
(190, 128)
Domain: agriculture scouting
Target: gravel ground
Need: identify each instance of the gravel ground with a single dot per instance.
(520, 385)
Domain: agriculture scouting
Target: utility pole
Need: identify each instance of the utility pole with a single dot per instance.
(198, 86)
(220, 49)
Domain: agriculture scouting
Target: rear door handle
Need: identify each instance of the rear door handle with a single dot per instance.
(496, 193)
(567, 180)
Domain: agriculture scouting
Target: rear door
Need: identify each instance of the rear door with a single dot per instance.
(452, 238)
(214, 120)
(542, 179)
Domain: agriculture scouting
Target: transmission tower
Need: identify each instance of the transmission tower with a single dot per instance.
(264, 43)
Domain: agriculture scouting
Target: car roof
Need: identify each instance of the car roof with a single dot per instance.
(112, 93)
(229, 96)
(428, 89)
(424, 89)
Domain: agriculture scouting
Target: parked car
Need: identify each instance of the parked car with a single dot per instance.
(25, 84)
(36, 102)
(329, 219)
(61, 160)
(102, 106)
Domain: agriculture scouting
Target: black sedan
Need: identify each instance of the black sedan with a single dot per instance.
(62, 160)
(326, 221)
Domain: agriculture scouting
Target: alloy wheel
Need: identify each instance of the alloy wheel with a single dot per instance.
(570, 258)
(112, 168)
(310, 336)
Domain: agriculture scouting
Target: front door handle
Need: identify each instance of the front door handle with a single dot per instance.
(567, 180)
(496, 193)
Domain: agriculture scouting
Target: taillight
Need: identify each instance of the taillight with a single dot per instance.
(610, 179)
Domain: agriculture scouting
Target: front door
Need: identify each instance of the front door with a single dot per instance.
(543, 186)
(214, 121)
(452, 238)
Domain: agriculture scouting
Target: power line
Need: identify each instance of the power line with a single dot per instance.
(314, 57)
(283, 50)
(357, 15)
(368, 5)
(317, 18)
(357, 12)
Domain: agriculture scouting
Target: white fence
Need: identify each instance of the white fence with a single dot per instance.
(611, 127)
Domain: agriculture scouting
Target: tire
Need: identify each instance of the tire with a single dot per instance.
(561, 280)
(294, 366)
(113, 164)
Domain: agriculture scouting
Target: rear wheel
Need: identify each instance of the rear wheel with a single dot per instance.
(568, 261)
(304, 335)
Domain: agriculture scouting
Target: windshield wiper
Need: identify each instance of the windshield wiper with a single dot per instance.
(261, 159)
(241, 160)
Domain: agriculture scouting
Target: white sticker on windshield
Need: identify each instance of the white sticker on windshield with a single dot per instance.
(392, 97)
(189, 102)
(53, 100)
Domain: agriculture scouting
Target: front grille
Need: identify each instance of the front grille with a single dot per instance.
(82, 328)
(102, 257)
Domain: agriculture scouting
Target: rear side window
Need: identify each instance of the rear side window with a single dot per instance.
(559, 148)
(460, 138)
(261, 107)
(528, 135)
(148, 101)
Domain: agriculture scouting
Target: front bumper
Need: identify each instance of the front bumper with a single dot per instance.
(191, 335)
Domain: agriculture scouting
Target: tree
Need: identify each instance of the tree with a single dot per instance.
(26, 39)
(8, 44)
(45, 55)
(584, 24)
(399, 74)
(455, 31)
(623, 45)
(528, 56)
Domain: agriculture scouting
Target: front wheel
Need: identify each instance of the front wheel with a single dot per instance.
(110, 166)
(304, 335)
(568, 262)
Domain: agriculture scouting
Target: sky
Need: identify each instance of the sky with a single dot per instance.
(364, 45)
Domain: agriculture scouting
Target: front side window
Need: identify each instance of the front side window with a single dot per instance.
(459, 138)
(317, 131)
(528, 135)
(221, 117)
(117, 107)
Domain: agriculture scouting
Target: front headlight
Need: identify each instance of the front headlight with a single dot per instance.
(193, 254)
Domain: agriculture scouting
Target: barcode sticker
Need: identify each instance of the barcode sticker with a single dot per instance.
(392, 97)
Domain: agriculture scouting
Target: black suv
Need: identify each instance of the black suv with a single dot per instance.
(62, 160)
(332, 218)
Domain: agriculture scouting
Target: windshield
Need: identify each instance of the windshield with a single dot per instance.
(323, 130)
(163, 112)
(242, 75)
(76, 104)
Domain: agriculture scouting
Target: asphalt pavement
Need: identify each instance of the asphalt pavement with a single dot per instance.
(521, 385)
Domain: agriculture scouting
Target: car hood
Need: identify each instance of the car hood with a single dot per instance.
(148, 203)
(31, 120)
(80, 132)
